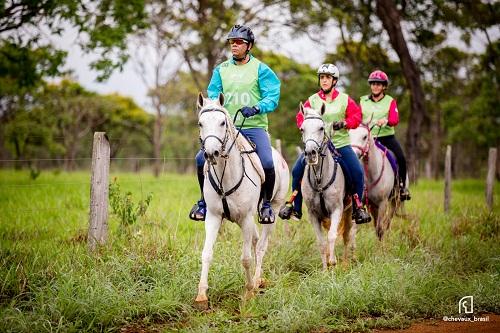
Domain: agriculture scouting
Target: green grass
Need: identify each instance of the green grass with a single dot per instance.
(147, 276)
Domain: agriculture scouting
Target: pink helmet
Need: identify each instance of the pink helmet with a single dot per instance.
(378, 76)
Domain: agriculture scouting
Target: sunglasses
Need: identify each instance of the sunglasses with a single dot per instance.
(237, 41)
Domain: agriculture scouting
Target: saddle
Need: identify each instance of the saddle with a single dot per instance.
(390, 156)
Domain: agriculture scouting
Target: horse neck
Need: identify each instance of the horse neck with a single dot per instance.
(230, 165)
(375, 159)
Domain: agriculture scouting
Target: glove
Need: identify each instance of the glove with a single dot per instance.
(336, 125)
(249, 111)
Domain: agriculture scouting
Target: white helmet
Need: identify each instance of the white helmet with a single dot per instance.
(330, 69)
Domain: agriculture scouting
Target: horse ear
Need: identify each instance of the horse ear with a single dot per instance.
(201, 100)
(301, 108)
(221, 99)
(323, 108)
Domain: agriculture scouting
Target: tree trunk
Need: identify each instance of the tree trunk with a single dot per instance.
(391, 20)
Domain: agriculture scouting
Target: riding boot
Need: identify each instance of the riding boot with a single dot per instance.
(199, 209)
(359, 214)
(266, 214)
(291, 208)
(404, 193)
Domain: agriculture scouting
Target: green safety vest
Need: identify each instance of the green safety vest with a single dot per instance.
(335, 111)
(240, 85)
(380, 110)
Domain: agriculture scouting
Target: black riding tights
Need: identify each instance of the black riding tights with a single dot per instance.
(393, 144)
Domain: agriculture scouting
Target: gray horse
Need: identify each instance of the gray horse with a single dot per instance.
(323, 189)
(232, 187)
(383, 193)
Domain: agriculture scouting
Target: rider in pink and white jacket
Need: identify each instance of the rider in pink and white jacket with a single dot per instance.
(382, 110)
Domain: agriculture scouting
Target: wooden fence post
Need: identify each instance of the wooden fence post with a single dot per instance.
(447, 179)
(99, 188)
(490, 177)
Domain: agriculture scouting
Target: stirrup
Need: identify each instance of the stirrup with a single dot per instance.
(266, 215)
(198, 211)
(361, 216)
(404, 194)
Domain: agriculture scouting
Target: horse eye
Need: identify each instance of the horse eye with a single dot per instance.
(199, 124)
(223, 123)
(365, 137)
(301, 129)
(321, 129)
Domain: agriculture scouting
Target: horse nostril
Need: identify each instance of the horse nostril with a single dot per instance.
(216, 153)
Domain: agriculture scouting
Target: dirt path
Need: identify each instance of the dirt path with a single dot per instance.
(438, 326)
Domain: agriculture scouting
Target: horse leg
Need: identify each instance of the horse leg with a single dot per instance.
(349, 235)
(248, 229)
(332, 234)
(261, 249)
(381, 219)
(212, 225)
(316, 223)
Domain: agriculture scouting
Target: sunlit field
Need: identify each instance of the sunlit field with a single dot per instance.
(146, 276)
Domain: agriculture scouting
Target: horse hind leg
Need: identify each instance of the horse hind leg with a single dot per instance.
(349, 235)
(381, 219)
(212, 225)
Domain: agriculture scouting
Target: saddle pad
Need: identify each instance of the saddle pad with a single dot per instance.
(243, 144)
(390, 156)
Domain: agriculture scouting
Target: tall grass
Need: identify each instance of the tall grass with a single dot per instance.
(147, 277)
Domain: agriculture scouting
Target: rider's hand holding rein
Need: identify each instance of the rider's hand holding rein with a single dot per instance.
(249, 111)
(382, 122)
(338, 125)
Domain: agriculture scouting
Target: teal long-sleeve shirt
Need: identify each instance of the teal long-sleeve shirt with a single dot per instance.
(269, 86)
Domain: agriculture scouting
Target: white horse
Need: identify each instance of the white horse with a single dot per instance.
(323, 189)
(379, 177)
(233, 178)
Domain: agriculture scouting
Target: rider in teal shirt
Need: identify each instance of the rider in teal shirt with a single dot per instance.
(251, 87)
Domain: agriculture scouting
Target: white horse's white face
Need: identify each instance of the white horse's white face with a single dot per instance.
(359, 139)
(313, 133)
(213, 125)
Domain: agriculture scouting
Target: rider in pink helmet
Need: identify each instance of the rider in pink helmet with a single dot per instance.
(382, 110)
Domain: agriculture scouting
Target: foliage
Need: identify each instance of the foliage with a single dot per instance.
(49, 281)
(124, 207)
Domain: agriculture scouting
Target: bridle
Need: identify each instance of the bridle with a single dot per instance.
(316, 184)
(320, 146)
(366, 148)
(226, 131)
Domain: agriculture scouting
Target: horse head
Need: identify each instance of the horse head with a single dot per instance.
(313, 133)
(214, 123)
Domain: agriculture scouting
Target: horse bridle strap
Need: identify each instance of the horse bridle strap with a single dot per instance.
(220, 190)
(321, 190)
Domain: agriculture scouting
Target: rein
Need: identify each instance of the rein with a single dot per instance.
(217, 185)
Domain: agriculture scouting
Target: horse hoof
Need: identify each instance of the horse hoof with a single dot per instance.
(260, 283)
(249, 294)
(201, 303)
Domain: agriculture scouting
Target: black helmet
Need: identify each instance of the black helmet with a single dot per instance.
(241, 32)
